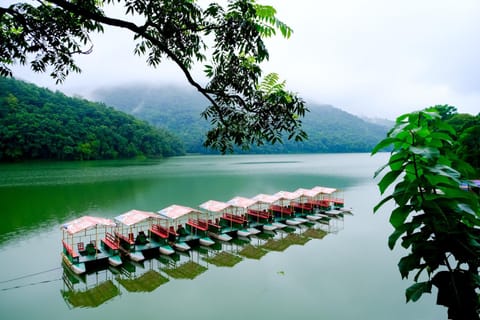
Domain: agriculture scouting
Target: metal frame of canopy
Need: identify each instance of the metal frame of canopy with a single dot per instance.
(85, 227)
(135, 220)
(177, 216)
(214, 211)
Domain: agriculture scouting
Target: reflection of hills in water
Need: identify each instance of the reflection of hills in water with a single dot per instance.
(94, 289)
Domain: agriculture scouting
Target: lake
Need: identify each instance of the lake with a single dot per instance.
(348, 274)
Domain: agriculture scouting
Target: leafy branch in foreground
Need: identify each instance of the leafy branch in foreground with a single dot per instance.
(227, 40)
(433, 217)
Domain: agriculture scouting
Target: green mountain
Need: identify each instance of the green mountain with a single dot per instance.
(36, 123)
(178, 110)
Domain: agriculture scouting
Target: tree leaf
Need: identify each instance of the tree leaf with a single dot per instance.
(408, 263)
(382, 202)
(383, 144)
(388, 179)
(399, 215)
(415, 291)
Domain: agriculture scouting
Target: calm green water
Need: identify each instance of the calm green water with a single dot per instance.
(349, 274)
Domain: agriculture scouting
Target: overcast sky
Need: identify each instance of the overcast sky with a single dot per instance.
(375, 58)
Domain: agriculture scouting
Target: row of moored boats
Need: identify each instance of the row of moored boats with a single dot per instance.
(92, 242)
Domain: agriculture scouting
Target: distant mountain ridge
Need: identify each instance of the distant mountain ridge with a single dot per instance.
(178, 110)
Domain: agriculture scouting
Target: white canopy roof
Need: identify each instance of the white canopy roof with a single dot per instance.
(241, 202)
(265, 198)
(214, 206)
(176, 211)
(324, 190)
(86, 222)
(135, 216)
(287, 195)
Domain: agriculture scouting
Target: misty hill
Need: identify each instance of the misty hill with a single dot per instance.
(36, 123)
(178, 110)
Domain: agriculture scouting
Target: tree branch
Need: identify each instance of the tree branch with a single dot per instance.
(140, 30)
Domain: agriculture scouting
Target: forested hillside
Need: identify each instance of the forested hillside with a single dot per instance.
(36, 123)
(178, 110)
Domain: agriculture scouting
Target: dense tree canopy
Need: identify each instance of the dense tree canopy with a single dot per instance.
(36, 123)
(245, 106)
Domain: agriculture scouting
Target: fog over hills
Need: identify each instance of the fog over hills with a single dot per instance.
(178, 109)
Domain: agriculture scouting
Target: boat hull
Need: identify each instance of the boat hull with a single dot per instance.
(166, 250)
(220, 236)
(181, 246)
(114, 261)
(206, 241)
(77, 268)
(136, 256)
(243, 233)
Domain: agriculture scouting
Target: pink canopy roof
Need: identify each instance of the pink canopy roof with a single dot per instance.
(309, 193)
(241, 202)
(287, 195)
(265, 198)
(86, 222)
(135, 216)
(214, 206)
(176, 211)
(324, 190)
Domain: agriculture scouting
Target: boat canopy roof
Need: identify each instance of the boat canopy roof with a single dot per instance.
(324, 190)
(86, 222)
(135, 216)
(241, 202)
(215, 206)
(309, 193)
(265, 198)
(287, 195)
(176, 211)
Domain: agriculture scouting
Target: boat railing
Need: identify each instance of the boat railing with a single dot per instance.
(110, 241)
(281, 210)
(259, 214)
(125, 239)
(234, 218)
(199, 224)
(160, 231)
(69, 250)
(303, 206)
(320, 203)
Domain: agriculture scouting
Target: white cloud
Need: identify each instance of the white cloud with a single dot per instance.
(378, 58)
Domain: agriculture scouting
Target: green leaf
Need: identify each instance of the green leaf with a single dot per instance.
(392, 239)
(399, 215)
(388, 179)
(415, 291)
(407, 264)
(381, 203)
(383, 144)
(426, 152)
(396, 160)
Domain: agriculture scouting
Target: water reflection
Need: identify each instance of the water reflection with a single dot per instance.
(88, 291)
(94, 289)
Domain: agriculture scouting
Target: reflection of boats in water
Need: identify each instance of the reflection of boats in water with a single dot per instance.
(140, 278)
(88, 290)
(182, 265)
(81, 252)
